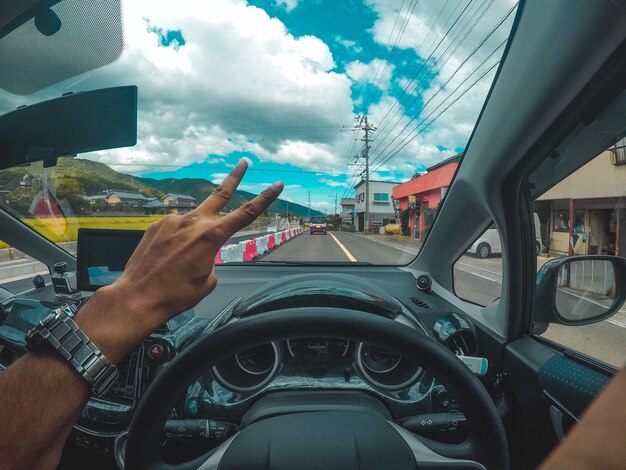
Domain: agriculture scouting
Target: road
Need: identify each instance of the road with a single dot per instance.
(477, 280)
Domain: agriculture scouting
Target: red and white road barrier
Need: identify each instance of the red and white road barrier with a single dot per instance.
(248, 250)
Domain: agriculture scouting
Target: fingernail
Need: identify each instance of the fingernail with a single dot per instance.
(242, 162)
(278, 185)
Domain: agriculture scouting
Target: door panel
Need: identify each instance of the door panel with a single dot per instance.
(550, 390)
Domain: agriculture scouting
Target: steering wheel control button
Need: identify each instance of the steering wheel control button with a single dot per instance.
(434, 425)
(155, 352)
(424, 283)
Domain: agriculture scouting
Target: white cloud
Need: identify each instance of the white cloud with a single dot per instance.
(349, 44)
(331, 183)
(288, 5)
(378, 72)
(320, 205)
(217, 178)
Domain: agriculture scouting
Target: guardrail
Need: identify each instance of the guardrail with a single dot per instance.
(247, 250)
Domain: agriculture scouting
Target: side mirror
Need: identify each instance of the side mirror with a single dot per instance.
(579, 290)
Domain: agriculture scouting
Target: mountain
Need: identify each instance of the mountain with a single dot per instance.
(74, 176)
(200, 188)
(92, 177)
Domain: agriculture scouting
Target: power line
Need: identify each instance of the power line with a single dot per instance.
(406, 21)
(441, 88)
(382, 123)
(418, 131)
(389, 40)
(482, 42)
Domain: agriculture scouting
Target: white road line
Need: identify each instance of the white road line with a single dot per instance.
(482, 276)
(460, 263)
(344, 249)
(617, 322)
(583, 298)
(402, 248)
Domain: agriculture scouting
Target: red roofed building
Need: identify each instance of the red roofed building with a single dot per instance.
(423, 193)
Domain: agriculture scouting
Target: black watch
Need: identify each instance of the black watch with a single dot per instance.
(60, 332)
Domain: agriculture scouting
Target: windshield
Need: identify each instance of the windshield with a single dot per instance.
(363, 110)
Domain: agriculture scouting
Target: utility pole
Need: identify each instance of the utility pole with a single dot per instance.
(365, 126)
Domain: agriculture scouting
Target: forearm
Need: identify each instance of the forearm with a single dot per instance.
(598, 440)
(41, 396)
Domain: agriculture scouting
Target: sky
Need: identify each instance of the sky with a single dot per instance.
(283, 83)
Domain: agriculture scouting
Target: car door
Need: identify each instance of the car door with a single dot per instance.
(554, 371)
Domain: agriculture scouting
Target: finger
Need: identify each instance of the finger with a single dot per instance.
(243, 216)
(222, 194)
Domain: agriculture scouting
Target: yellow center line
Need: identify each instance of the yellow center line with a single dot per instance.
(345, 250)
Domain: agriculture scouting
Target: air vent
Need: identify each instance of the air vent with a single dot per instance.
(463, 343)
(457, 333)
(420, 302)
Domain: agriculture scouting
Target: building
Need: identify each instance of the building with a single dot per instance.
(381, 210)
(179, 203)
(594, 196)
(348, 213)
(125, 198)
(154, 206)
(422, 194)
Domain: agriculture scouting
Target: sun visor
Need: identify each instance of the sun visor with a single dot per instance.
(69, 125)
(48, 42)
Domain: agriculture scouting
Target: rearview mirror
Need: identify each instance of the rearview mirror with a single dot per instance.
(579, 290)
(69, 125)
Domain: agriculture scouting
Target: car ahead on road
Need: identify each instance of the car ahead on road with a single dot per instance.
(489, 242)
(317, 225)
(325, 359)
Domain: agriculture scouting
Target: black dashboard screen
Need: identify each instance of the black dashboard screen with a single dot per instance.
(103, 254)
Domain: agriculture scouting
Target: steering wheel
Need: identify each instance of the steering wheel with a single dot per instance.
(328, 439)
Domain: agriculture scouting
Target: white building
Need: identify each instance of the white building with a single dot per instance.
(381, 210)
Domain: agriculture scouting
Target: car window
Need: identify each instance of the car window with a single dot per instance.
(478, 273)
(585, 214)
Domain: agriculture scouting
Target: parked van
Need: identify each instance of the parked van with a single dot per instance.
(489, 242)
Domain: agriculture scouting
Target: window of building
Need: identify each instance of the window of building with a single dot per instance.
(560, 220)
(618, 153)
(381, 198)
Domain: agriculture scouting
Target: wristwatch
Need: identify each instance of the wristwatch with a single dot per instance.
(59, 332)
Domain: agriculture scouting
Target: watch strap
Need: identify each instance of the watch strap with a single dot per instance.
(62, 333)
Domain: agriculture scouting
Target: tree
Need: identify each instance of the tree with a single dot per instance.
(404, 222)
(335, 220)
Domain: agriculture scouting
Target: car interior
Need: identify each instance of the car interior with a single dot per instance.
(356, 366)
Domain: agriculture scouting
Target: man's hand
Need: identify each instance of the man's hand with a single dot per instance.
(171, 270)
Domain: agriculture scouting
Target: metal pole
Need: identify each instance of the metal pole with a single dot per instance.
(367, 176)
(570, 246)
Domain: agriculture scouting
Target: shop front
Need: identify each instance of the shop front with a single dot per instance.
(422, 195)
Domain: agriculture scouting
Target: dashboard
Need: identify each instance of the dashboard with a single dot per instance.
(217, 402)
